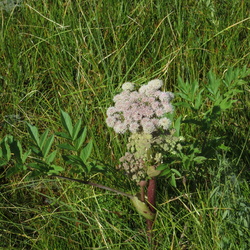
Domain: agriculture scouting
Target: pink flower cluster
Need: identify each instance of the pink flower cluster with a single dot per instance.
(142, 110)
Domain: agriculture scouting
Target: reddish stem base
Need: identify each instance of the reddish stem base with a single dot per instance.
(151, 193)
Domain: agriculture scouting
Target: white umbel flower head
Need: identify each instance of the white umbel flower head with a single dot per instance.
(155, 84)
(128, 86)
(164, 123)
(142, 110)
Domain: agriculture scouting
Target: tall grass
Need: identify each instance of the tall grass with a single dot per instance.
(76, 55)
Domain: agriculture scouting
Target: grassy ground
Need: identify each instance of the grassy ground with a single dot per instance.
(76, 55)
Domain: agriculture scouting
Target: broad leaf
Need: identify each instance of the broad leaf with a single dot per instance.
(6, 152)
(162, 166)
(50, 158)
(63, 135)
(67, 122)
(185, 97)
(73, 159)
(80, 140)
(86, 151)
(94, 168)
(89, 167)
(55, 170)
(16, 148)
(166, 172)
(33, 131)
(142, 208)
(47, 145)
(198, 100)
(199, 159)
(25, 156)
(76, 129)
(226, 104)
(182, 104)
(35, 165)
(43, 138)
(224, 147)
(194, 88)
(66, 146)
(172, 180)
(177, 126)
(36, 151)
(152, 172)
(176, 172)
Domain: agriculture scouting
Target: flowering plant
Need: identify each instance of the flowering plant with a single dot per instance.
(144, 113)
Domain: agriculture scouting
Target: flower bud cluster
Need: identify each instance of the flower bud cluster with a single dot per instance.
(134, 167)
(140, 145)
(134, 161)
(142, 110)
(169, 143)
(147, 150)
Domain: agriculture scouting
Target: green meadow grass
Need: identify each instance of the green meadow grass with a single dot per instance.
(75, 55)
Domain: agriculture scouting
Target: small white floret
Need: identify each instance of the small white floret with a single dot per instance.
(164, 123)
(155, 84)
(128, 86)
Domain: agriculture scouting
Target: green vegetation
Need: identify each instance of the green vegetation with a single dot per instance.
(76, 55)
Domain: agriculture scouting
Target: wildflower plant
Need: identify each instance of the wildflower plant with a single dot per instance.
(145, 113)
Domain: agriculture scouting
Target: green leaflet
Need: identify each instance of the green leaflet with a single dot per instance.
(142, 208)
